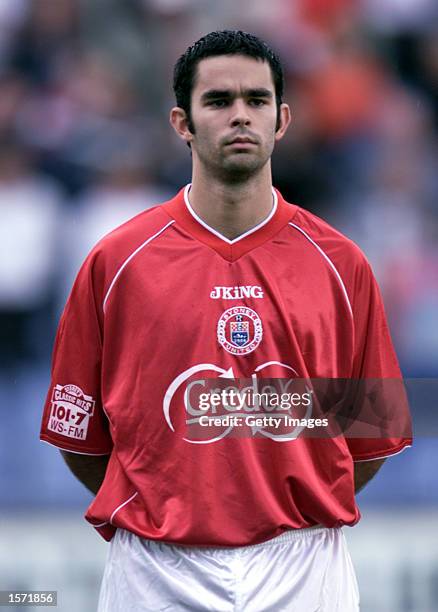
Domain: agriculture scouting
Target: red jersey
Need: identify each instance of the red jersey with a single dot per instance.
(163, 300)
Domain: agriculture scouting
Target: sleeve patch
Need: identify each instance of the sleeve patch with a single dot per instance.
(70, 411)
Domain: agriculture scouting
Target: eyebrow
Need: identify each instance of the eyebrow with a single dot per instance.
(213, 94)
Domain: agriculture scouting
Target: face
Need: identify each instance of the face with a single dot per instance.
(234, 116)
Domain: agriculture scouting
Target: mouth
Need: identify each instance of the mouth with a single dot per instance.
(241, 142)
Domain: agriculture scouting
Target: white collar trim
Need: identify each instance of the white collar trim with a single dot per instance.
(218, 234)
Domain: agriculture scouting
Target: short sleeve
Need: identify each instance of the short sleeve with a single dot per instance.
(73, 418)
(376, 369)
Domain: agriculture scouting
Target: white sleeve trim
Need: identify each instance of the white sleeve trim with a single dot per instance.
(110, 522)
(99, 524)
(68, 450)
(385, 457)
(121, 506)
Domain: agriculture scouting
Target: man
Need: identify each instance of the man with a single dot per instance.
(226, 281)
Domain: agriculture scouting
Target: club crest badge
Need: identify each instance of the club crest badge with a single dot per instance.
(239, 330)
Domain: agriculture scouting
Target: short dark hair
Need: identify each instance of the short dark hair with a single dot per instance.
(223, 42)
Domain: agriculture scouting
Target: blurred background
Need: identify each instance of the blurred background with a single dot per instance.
(85, 144)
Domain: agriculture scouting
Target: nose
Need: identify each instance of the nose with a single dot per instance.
(240, 115)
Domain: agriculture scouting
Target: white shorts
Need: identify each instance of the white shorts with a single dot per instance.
(307, 570)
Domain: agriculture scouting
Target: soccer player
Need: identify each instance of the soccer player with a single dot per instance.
(225, 281)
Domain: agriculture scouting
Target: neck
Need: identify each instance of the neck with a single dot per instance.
(232, 209)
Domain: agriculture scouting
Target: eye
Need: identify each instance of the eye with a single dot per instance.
(218, 103)
(257, 102)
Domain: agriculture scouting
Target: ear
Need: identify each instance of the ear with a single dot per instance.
(179, 121)
(285, 119)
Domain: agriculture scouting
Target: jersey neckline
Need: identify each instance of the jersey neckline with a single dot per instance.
(218, 234)
(179, 208)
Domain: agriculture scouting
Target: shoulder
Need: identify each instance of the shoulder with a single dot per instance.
(342, 252)
(135, 232)
(116, 247)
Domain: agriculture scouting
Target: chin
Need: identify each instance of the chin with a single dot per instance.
(244, 164)
(238, 173)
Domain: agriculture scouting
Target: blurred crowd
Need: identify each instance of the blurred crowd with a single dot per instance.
(85, 90)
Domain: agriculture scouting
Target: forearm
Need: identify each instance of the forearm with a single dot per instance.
(88, 469)
(364, 471)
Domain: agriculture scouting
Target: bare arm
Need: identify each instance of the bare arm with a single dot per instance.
(364, 471)
(88, 469)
